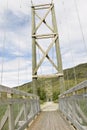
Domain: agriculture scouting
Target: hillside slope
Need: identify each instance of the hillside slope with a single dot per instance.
(72, 77)
(80, 71)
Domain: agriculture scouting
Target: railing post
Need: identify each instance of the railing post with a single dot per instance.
(11, 117)
(74, 105)
(32, 108)
(25, 112)
(35, 107)
(38, 105)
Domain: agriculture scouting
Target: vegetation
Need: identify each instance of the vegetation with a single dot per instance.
(79, 74)
(72, 77)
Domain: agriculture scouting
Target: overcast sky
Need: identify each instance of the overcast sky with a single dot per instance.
(15, 37)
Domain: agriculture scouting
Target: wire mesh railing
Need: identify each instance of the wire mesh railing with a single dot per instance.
(17, 108)
(73, 104)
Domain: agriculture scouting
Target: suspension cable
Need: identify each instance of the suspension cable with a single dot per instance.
(80, 25)
(3, 50)
(18, 69)
(74, 70)
(7, 4)
(31, 2)
(20, 4)
(52, 1)
(67, 74)
(26, 69)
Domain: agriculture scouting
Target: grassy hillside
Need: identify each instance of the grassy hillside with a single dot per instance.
(80, 70)
(72, 77)
(75, 75)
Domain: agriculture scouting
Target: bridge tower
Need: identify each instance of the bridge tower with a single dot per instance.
(40, 20)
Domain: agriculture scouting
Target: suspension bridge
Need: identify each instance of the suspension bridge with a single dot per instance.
(20, 110)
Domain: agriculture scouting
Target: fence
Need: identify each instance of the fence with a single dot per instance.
(73, 104)
(17, 108)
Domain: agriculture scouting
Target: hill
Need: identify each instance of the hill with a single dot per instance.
(50, 87)
(80, 71)
(75, 75)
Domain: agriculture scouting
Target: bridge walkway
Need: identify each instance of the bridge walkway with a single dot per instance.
(50, 119)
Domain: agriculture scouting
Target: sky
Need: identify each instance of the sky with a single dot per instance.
(16, 42)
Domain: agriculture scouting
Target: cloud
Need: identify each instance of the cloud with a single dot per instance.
(12, 79)
(13, 22)
(15, 64)
(15, 37)
(72, 31)
(16, 71)
(15, 43)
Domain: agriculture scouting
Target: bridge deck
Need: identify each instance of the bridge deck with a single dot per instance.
(50, 120)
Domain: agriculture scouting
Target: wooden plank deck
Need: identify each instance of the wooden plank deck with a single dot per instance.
(50, 120)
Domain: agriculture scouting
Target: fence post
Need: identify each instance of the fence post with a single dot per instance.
(25, 111)
(11, 117)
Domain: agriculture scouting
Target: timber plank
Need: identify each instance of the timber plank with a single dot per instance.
(50, 120)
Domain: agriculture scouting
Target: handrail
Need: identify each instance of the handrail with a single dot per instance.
(78, 87)
(73, 104)
(19, 108)
(15, 91)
